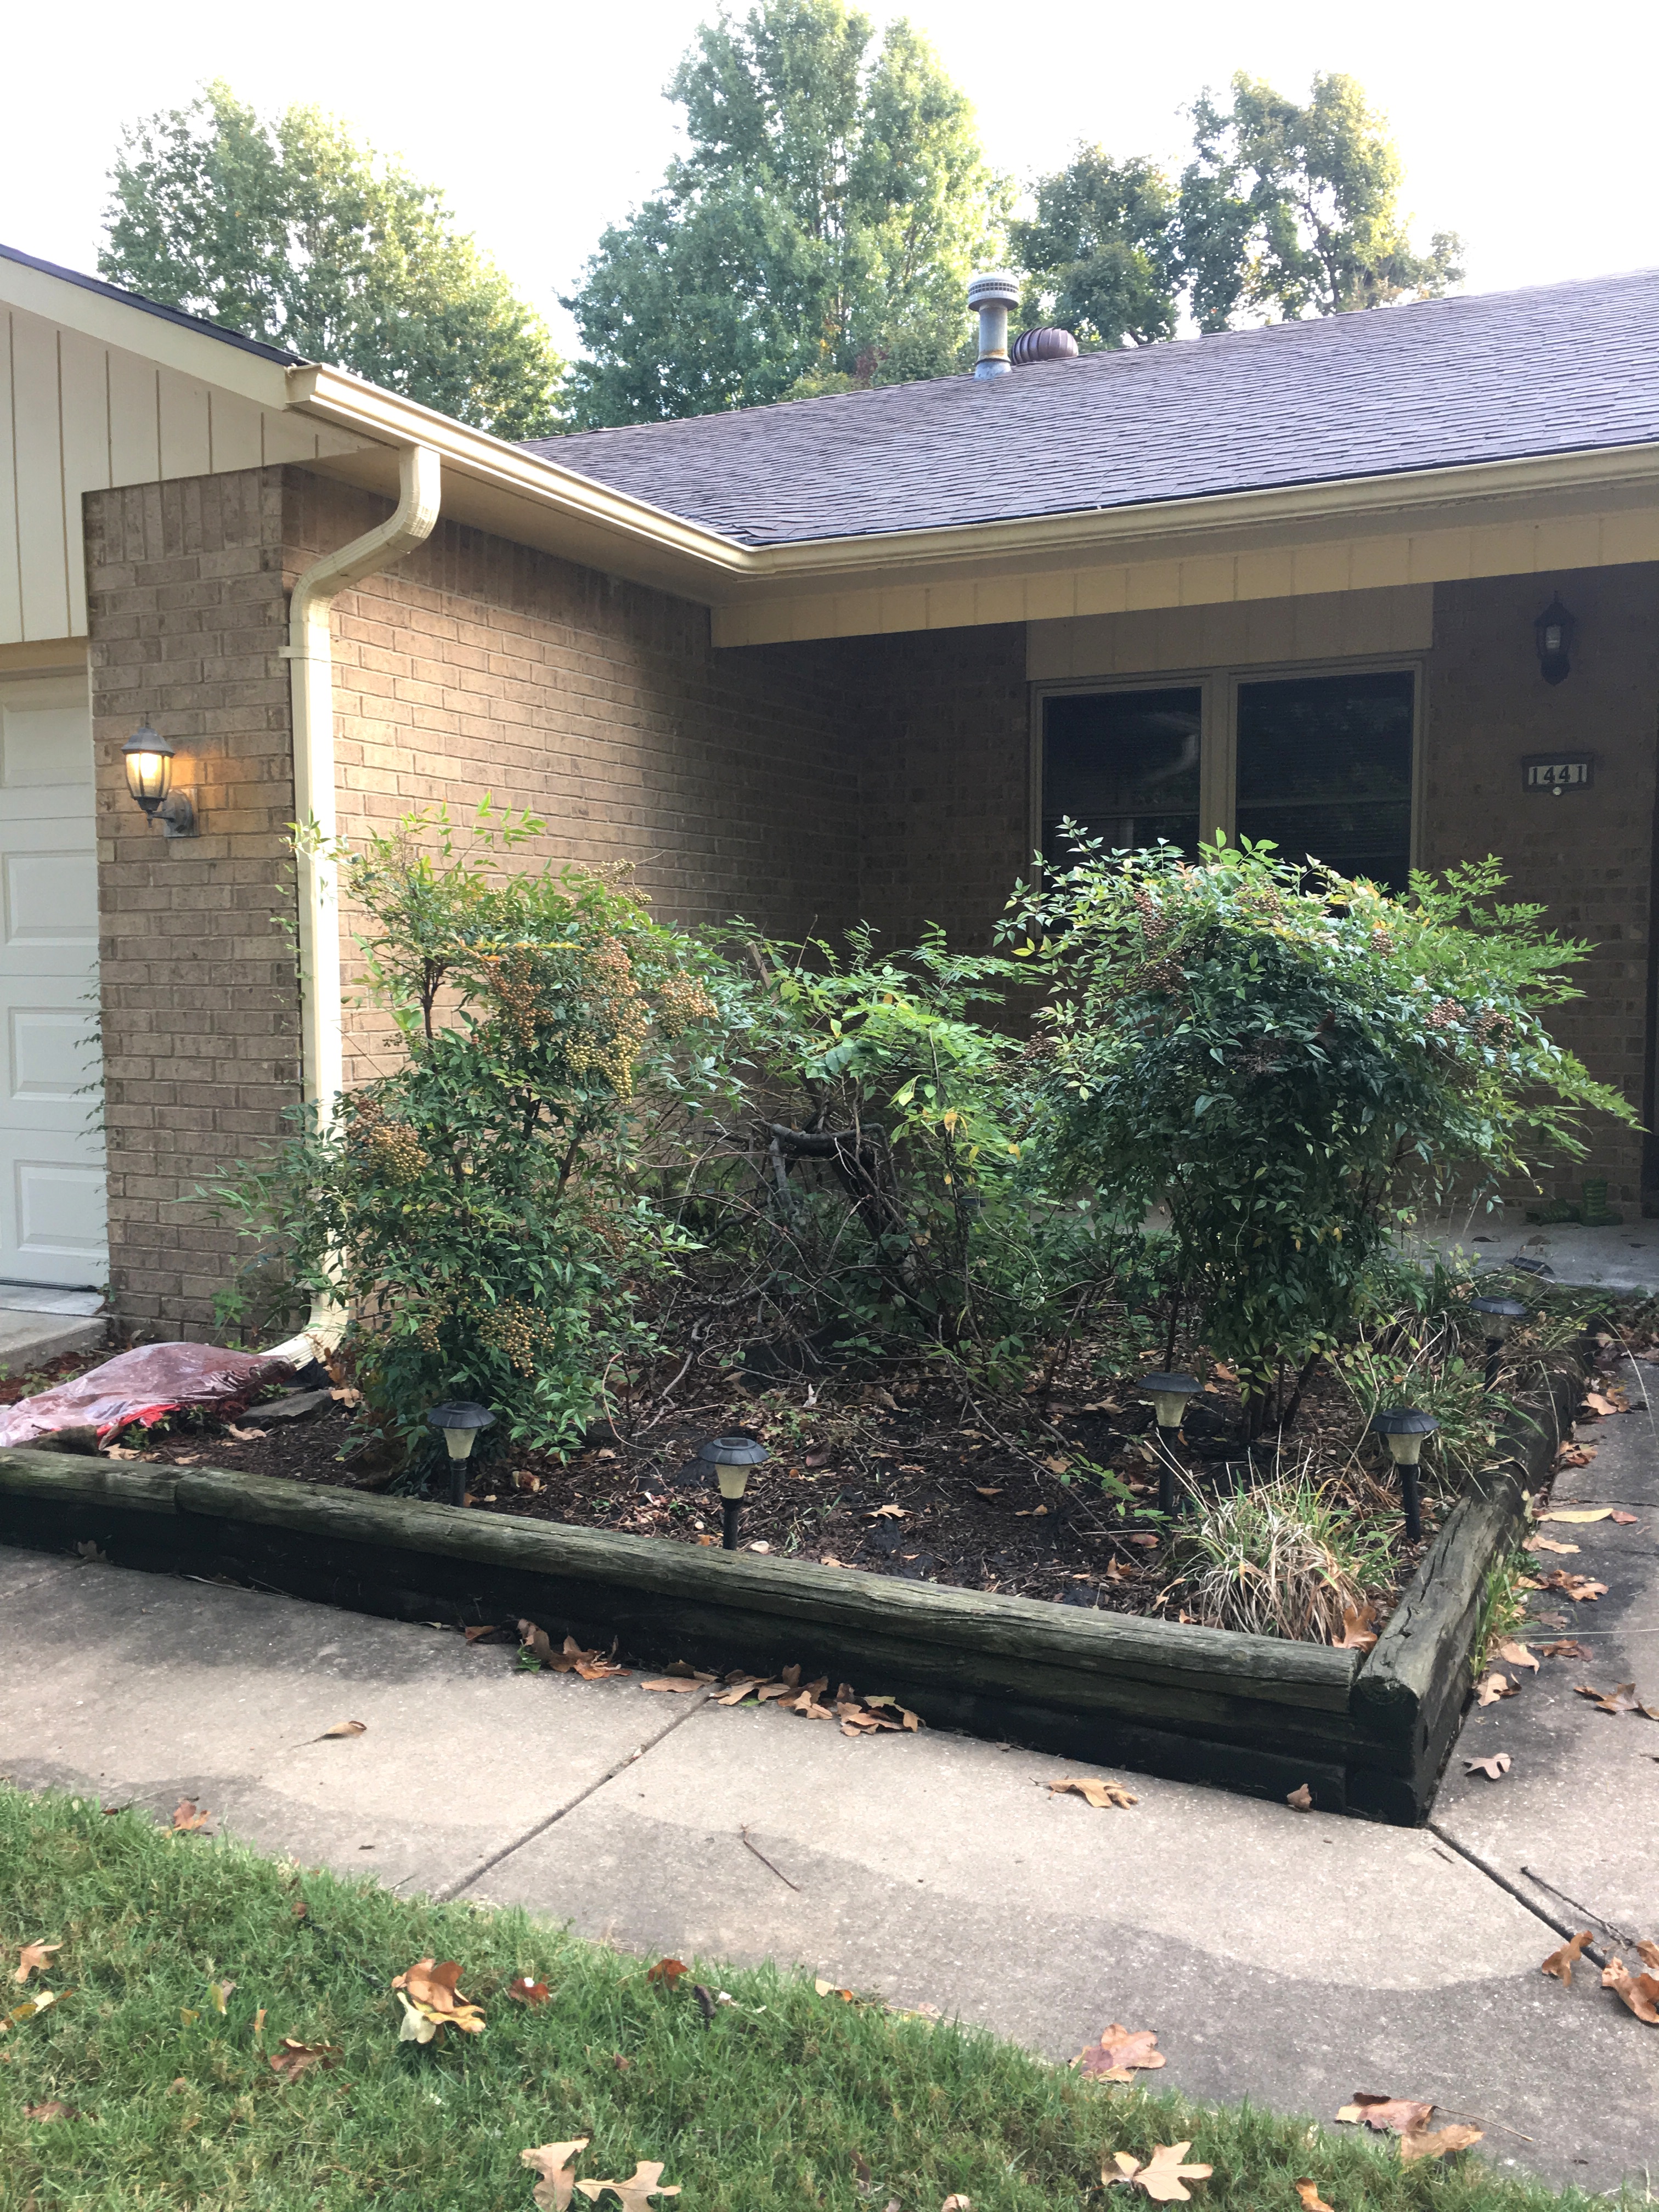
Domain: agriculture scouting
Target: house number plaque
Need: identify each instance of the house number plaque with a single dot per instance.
(1557, 772)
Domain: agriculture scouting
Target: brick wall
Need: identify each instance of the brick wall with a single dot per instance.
(729, 781)
(1587, 857)
(201, 1034)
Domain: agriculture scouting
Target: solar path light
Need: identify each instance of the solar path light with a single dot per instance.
(460, 1422)
(1169, 1394)
(1500, 1315)
(1403, 1430)
(729, 1459)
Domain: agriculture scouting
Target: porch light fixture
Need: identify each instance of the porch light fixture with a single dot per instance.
(1553, 632)
(460, 1422)
(149, 759)
(1169, 1395)
(1403, 1430)
(1500, 1315)
(729, 1460)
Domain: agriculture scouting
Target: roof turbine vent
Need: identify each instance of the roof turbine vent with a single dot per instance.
(991, 294)
(1048, 344)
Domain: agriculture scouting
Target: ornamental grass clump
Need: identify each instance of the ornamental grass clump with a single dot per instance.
(1283, 1559)
(472, 1209)
(1292, 1062)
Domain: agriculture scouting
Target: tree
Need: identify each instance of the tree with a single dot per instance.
(819, 232)
(1100, 253)
(287, 230)
(1296, 210)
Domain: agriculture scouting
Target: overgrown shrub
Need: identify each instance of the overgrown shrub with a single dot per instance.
(1292, 1062)
(472, 1209)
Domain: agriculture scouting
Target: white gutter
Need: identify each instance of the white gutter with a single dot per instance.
(310, 656)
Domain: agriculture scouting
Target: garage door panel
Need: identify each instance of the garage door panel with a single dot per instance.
(52, 1159)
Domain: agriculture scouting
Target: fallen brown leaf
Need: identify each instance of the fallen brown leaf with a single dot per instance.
(259, 2021)
(523, 1989)
(667, 1972)
(296, 2058)
(1101, 1794)
(31, 1958)
(1300, 1799)
(1623, 1699)
(955, 2202)
(673, 1682)
(1494, 1768)
(1437, 2145)
(1639, 1991)
(1547, 1544)
(978, 1492)
(1309, 2193)
(479, 1630)
(1648, 1953)
(1564, 1648)
(343, 1728)
(1358, 1627)
(31, 2006)
(431, 2001)
(1624, 1520)
(570, 1659)
(634, 2193)
(1397, 2116)
(188, 1816)
(1162, 2174)
(1491, 1687)
(1601, 1405)
(888, 1513)
(828, 1990)
(1574, 1454)
(1578, 1587)
(53, 2109)
(1561, 1963)
(1576, 1513)
(1121, 2052)
(220, 1993)
(553, 2162)
(1517, 1655)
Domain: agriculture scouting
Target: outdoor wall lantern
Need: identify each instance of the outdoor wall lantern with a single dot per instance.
(1403, 1430)
(1553, 631)
(730, 1459)
(460, 1423)
(1170, 1397)
(1500, 1315)
(148, 759)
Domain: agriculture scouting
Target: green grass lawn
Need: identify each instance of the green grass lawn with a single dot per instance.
(784, 2099)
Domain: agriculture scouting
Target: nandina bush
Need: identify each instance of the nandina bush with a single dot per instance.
(1292, 1063)
(473, 1208)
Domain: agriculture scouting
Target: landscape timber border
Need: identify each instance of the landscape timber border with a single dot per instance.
(1366, 1735)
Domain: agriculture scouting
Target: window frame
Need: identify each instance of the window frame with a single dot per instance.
(1218, 689)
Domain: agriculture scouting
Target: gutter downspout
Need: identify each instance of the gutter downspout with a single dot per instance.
(310, 655)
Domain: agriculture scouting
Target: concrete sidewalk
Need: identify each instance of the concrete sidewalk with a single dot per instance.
(1288, 1958)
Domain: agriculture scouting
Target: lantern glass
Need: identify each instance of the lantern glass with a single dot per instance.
(1404, 1450)
(149, 767)
(732, 1477)
(1169, 1394)
(459, 1441)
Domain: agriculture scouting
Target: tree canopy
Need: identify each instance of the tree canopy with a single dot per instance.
(286, 229)
(1282, 211)
(819, 231)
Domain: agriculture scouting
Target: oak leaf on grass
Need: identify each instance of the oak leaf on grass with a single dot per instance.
(1119, 2052)
(1439, 2144)
(554, 2163)
(295, 2059)
(431, 2001)
(1312, 2201)
(1561, 1963)
(635, 2194)
(53, 2109)
(524, 1988)
(1396, 2116)
(188, 1816)
(667, 1972)
(1161, 2177)
(33, 1958)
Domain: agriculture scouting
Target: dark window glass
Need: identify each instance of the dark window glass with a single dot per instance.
(1124, 765)
(1325, 770)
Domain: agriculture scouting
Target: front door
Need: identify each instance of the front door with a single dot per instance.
(53, 1226)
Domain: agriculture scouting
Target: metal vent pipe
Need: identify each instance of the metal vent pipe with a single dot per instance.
(992, 294)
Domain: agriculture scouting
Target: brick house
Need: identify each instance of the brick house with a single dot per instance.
(845, 658)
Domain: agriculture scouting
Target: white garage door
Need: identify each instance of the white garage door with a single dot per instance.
(53, 1226)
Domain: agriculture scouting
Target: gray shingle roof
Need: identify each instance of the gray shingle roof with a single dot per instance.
(152, 308)
(1494, 376)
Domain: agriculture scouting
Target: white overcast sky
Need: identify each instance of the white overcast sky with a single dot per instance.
(1527, 127)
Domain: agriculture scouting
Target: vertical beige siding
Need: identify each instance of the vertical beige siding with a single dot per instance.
(77, 415)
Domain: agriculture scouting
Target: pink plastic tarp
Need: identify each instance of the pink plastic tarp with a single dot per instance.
(142, 1386)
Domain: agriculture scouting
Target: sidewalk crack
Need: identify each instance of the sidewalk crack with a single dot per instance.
(448, 1891)
(1492, 1873)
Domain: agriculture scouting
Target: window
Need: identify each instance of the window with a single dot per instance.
(1321, 764)
(1123, 763)
(1324, 768)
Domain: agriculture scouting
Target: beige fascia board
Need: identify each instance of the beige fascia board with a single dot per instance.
(497, 486)
(112, 322)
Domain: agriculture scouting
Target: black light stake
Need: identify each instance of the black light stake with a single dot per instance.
(1501, 1315)
(1170, 1397)
(730, 1459)
(1404, 1430)
(460, 1423)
